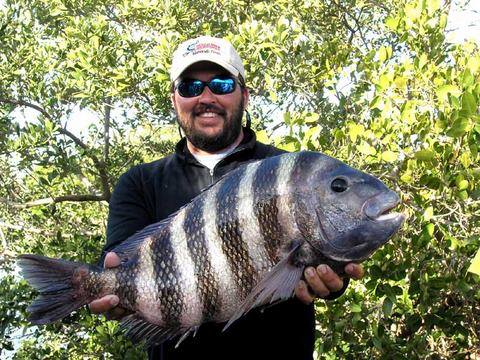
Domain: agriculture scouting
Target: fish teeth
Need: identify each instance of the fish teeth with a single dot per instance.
(388, 216)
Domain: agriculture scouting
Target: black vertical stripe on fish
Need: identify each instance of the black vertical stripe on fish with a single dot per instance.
(166, 272)
(207, 283)
(303, 167)
(233, 242)
(265, 205)
(127, 289)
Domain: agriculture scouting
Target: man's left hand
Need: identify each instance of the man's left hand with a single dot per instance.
(323, 280)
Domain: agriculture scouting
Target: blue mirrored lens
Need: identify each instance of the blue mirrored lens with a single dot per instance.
(190, 88)
(220, 85)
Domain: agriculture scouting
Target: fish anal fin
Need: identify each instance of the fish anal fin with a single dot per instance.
(277, 285)
(139, 330)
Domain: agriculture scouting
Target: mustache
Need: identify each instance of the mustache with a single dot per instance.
(209, 108)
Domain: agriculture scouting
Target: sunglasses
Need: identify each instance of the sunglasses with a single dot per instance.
(219, 85)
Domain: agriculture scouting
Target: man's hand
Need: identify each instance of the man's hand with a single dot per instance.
(323, 280)
(108, 304)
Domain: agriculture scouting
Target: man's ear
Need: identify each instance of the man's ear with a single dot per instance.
(246, 96)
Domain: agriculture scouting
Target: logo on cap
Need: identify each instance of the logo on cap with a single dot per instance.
(199, 48)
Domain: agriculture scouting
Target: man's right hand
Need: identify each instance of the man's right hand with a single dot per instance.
(108, 304)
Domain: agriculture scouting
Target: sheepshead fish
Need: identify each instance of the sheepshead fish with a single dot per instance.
(242, 243)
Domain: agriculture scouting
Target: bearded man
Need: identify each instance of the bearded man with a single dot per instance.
(210, 97)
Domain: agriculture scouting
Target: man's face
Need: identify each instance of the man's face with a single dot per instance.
(211, 122)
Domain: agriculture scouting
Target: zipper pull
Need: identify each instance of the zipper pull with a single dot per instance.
(211, 172)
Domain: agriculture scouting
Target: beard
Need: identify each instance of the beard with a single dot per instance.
(231, 130)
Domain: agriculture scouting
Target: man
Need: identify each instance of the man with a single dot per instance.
(209, 97)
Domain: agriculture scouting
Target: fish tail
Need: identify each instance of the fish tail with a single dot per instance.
(60, 284)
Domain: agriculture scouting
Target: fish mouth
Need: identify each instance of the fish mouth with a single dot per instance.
(379, 207)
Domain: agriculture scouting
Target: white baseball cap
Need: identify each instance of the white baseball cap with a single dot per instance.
(206, 48)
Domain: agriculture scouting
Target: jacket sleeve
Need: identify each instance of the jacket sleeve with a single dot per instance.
(128, 210)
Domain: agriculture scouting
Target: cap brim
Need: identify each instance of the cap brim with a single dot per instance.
(203, 57)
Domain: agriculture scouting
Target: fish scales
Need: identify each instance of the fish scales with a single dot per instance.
(208, 282)
(285, 198)
(191, 307)
(250, 228)
(146, 284)
(265, 190)
(223, 265)
(242, 243)
(167, 278)
(235, 238)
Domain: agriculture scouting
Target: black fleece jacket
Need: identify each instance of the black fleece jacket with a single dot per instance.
(148, 193)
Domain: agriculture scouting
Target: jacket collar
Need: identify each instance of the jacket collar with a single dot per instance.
(248, 143)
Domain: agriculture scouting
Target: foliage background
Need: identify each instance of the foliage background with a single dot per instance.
(373, 83)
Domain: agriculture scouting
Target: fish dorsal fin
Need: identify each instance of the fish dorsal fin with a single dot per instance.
(127, 249)
(277, 285)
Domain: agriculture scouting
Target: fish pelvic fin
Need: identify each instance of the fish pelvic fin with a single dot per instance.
(59, 283)
(139, 330)
(277, 285)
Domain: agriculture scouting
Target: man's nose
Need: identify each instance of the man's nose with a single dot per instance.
(207, 96)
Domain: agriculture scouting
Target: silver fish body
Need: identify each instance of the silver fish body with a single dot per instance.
(242, 243)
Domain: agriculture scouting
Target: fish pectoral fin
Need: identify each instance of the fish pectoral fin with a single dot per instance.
(139, 330)
(277, 285)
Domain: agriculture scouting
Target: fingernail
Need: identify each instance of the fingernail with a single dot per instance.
(310, 272)
(114, 301)
(302, 284)
(323, 269)
(349, 268)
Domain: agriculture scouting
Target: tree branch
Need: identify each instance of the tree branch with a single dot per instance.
(99, 164)
(53, 200)
(357, 23)
(106, 130)
(34, 230)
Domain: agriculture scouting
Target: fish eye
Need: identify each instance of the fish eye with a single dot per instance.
(339, 185)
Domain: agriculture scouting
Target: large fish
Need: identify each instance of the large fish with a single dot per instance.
(242, 243)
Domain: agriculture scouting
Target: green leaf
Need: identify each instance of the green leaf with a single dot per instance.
(354, 130)
(384, 53)
(469, 104)
(425, 155)
(428, 214)
(366, 149)
(432, 5)
(387, 307)
(475, 264)
(389, 156)
(311, 118)
(444, 90)
(462, 185)
(356, 308)
(392, 23)
(458, 128)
